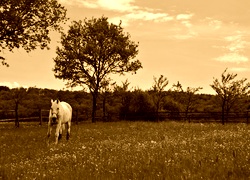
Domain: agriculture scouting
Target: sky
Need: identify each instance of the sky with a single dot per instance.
(188, 41)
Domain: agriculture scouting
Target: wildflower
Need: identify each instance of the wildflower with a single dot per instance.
(184, 142)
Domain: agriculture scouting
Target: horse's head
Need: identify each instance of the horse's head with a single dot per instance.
(54, 110)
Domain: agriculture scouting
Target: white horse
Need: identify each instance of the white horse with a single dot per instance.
(60, 113)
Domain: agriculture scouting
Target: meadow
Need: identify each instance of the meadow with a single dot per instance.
(127, 150)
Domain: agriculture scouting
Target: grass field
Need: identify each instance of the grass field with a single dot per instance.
(127, 150)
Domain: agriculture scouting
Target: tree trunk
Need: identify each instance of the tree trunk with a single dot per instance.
(94, 107)
(16, 116)
(104, 108)
(227, 114)
(247, 117)
(186, 113)
(157, 110)
(40, 116)
(223, 113)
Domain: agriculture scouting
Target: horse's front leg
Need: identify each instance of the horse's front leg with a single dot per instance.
(58, 129)
(60, 132)
(49, 130)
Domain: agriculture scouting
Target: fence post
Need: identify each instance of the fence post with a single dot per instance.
(247, 117)
(40, 116)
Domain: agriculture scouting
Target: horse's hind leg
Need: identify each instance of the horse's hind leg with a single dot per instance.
(68, 130)
(59, 137)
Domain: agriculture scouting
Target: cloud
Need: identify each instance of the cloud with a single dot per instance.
(185, 27)
(215, 24)
(117, 5)
(186, 24)
(141, 15)
(129, 12)
(184, 16)
(235, 48)
(148, 16)
(238, 69)
(237, 44)
(184, 19)
(89, 4)
(12, 85)
(114, 5)
(232, 58)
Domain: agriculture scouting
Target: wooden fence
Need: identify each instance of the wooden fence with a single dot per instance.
(43, 115)
(233, 117)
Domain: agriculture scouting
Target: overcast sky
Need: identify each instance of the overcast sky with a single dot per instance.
(188, 41)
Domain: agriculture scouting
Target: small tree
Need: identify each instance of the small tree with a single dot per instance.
(177, 87)
(27, 23)
(229, 91)
(91, 51)
(141, 105)
(189, 99)
(186, 97)
(158, 92)
(124, 96)
(17, 96)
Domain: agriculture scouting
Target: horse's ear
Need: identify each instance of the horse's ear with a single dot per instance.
(51, 100)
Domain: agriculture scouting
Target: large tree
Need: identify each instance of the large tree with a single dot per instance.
(91, 51)
(230, 91)
(27, 23)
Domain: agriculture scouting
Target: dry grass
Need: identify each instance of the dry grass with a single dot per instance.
(127, 150)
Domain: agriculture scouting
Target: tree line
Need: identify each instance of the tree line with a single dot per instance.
(124, 103)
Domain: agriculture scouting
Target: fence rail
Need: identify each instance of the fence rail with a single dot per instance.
(43, 115)
(190, 117)
(27, 119)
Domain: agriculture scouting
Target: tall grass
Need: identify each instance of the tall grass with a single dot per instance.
(127, 150)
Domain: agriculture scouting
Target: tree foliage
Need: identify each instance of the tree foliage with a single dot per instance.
(91, 51)
(27, 23)
(189, 100)
(124, 98)
(230, 91)
(158, 91)
(18, 95)
(186, 98)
